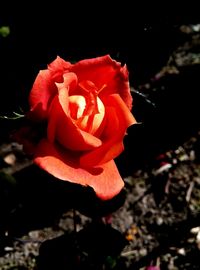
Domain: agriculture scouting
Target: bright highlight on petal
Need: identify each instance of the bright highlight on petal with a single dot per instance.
(89, 123)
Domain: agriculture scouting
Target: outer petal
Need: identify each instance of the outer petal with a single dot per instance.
(57, 68)
(104, 70)
(119, 119)
(41, 94)
(99, 70)
(105, 180)
(44, 88)
(123, 112)
(120, 85)
(62, 128)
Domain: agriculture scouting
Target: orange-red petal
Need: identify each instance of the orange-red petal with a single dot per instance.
(44, 88)
(62, 128)
(57, 68)
(123, 112)
(118, 120)
(105, 179)
(70, 81)
(41, 94)
(112, 144)
(99, 70)
(105, 71)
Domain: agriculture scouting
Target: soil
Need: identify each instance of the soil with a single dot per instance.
(154, 221)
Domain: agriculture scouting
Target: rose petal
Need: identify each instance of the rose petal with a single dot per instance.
(99, 70)
(70, 81)
(63, 129)
(44, 88)
(105, 180)
(112, 143)
(105, 71)
(119, 84)
(123, 112)
(57, 68)
(114, 133)
(41, 94)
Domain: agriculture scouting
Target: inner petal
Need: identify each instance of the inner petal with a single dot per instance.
(87, 120)
(76, 106)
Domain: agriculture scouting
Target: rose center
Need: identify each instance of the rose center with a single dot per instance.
(87, 112)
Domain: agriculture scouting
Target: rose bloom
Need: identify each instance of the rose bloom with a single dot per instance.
(83, 110)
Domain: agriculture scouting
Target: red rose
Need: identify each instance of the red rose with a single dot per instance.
(85, 108)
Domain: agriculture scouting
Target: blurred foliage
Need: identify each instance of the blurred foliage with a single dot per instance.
(4, 31)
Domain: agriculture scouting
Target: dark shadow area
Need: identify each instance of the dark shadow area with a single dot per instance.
(90, 248)
(172, 119)
(39, 200)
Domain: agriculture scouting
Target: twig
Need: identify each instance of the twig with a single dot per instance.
(189, 191)
(74, 219)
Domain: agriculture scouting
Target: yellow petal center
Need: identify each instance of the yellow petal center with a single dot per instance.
(88, 114)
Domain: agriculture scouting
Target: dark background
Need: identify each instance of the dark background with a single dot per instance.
(143, 38)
